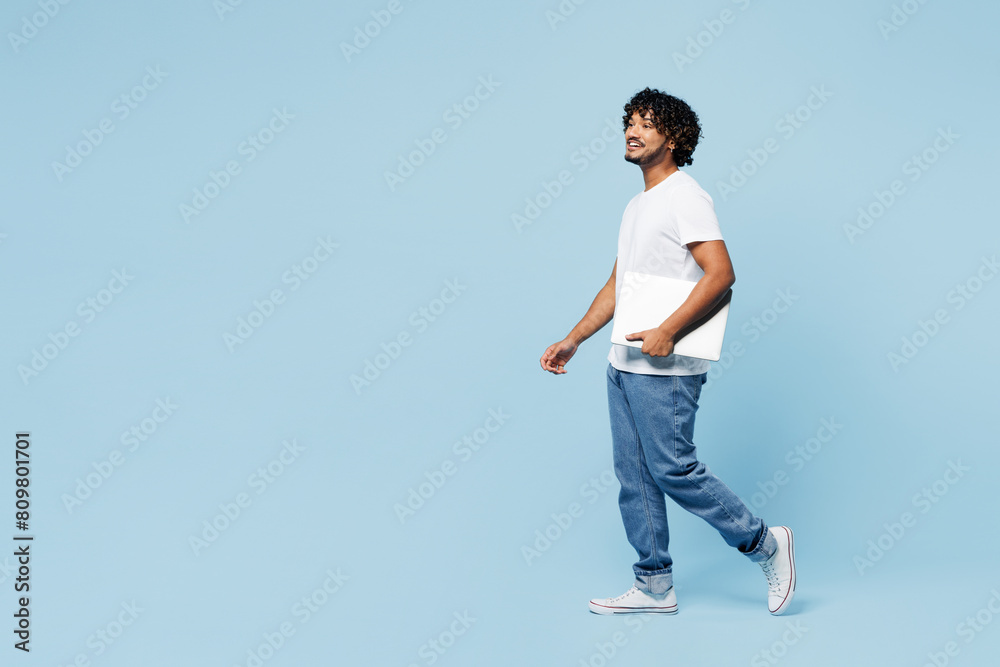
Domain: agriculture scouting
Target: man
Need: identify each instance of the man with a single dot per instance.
(669, 229)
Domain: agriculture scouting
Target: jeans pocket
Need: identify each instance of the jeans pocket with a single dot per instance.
(696, 389)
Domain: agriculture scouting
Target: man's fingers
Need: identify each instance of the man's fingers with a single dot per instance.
(554, 366)
(553, 359)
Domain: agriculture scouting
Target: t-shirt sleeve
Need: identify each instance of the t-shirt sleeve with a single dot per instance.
(693, 214)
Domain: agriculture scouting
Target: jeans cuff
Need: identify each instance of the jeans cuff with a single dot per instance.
(765, 547)
(654, 582)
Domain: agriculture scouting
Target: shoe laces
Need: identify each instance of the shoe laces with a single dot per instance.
(772, 576)
(626, 594)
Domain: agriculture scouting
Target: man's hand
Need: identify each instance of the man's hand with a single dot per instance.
(557, 355)
(600, 313)
(655, 342)
(716, 280)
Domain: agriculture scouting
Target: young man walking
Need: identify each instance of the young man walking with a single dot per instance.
(669, 229)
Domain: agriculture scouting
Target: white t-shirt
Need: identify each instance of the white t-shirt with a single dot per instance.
(656, 226)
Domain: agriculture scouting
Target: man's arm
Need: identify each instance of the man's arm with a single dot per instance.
(713, 258)
(600, 313)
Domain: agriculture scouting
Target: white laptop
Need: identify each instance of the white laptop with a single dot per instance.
(646, 300)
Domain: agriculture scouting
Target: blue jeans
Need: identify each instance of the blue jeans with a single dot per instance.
(652, 431)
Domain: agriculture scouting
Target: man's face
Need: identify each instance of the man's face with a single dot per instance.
(644, 145)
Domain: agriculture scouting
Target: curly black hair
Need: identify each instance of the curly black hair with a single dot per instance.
(671, 116)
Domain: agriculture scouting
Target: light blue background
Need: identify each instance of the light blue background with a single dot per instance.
(324, 176)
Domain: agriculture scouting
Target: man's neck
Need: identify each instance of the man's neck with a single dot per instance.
(655, 175)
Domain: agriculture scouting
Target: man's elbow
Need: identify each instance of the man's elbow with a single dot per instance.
(724, 277)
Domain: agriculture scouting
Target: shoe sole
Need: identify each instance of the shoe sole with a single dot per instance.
(607, 611)
(791, 564)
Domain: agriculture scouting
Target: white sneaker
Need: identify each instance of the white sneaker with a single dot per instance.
(780, 571)
(634, 601)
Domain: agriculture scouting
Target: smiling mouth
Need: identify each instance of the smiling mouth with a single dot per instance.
(633, 145)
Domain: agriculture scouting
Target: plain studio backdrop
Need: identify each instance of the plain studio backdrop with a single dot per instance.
(277, 278)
